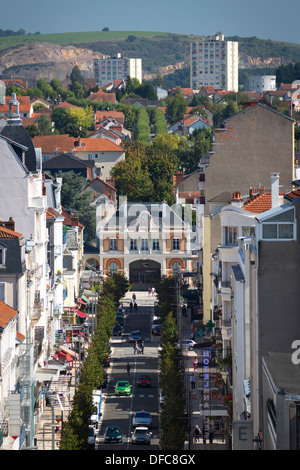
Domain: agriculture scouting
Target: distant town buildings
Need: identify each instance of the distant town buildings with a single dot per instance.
(214, 62)
(262, 83)
(118, 67)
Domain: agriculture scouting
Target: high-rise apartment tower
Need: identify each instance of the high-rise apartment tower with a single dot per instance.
(109, 69)
(214, 62)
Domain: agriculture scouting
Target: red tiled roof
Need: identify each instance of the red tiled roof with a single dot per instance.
(52, 143)
(102, 96)
(260, 203)
(7, 313)
(99, 145)
(7, 233)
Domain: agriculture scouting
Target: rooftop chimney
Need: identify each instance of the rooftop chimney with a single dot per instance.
(237, 199)
(275, 189)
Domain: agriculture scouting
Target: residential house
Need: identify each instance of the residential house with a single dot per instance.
(103, 152)
(143, 241)
(101, 96)
(100, 116)
(10, 399)
(161, 93)
(259, 299)
(281, 399)
(207, 91)
(52, 145)
(97, 187)
(244, 152)
(63, 162)
(22, 197)
(188, 125)
(72, 259)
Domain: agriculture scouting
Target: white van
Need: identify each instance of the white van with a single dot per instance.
(97, 400)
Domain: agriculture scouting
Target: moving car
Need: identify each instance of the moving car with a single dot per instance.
(113, 434)
(143, 380)
(187, 344)
(135, 336)
(141, 435)
(142, 418)
(123, 387)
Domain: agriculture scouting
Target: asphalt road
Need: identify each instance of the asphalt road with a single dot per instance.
(120, 410)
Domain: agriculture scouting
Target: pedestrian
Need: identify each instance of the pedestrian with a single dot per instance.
(128, 367)
(211, 434)
(197, 433)
(133, 297)
(135, 306)
(149, 291)
(142, 347)
(153, 290)
(192, 381)
(131, 305)
(204, 431)
(195, 363)
(135, 347)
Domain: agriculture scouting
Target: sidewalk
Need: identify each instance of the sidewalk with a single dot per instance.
(195, 397)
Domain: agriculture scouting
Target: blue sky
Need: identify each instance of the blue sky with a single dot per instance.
(266, 19)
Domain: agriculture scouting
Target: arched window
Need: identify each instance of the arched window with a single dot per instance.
(113, 268)
(176, 268)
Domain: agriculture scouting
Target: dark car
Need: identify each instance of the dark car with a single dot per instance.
(156, 329)
(106, 362)
(143, 381)
(135, 336)
(113, 434)
(120, 319)
(118, 330)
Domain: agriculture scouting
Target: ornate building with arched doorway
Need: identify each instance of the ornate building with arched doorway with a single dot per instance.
(144, 241)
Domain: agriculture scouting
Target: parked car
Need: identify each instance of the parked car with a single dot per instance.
(106, 362)
(118, 329)
(162, 396)
(141, 435)
(120, 320)
(135, 336)
(187, 344)
(104, 383)
(142, 418)
(123, 387)
(143, 380)
(156, 329)
(113, 434)
(91, 438)
(97, 401)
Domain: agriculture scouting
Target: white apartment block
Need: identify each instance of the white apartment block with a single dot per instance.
(109, 69)
(214, 62)
(262, 83)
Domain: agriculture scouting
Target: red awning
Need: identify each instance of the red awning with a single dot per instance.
(81, 301)
(80, 314)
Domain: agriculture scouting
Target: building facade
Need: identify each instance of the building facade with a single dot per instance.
(142, 241)
(214, 62)
(110, 69)
(262, 83)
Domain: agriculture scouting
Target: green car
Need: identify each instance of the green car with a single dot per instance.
(123, 388)
(113, 433)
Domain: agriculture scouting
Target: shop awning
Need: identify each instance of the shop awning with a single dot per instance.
(46, 374)
(69, 351)
(81, 301)
(80, 313)
(85, 299)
